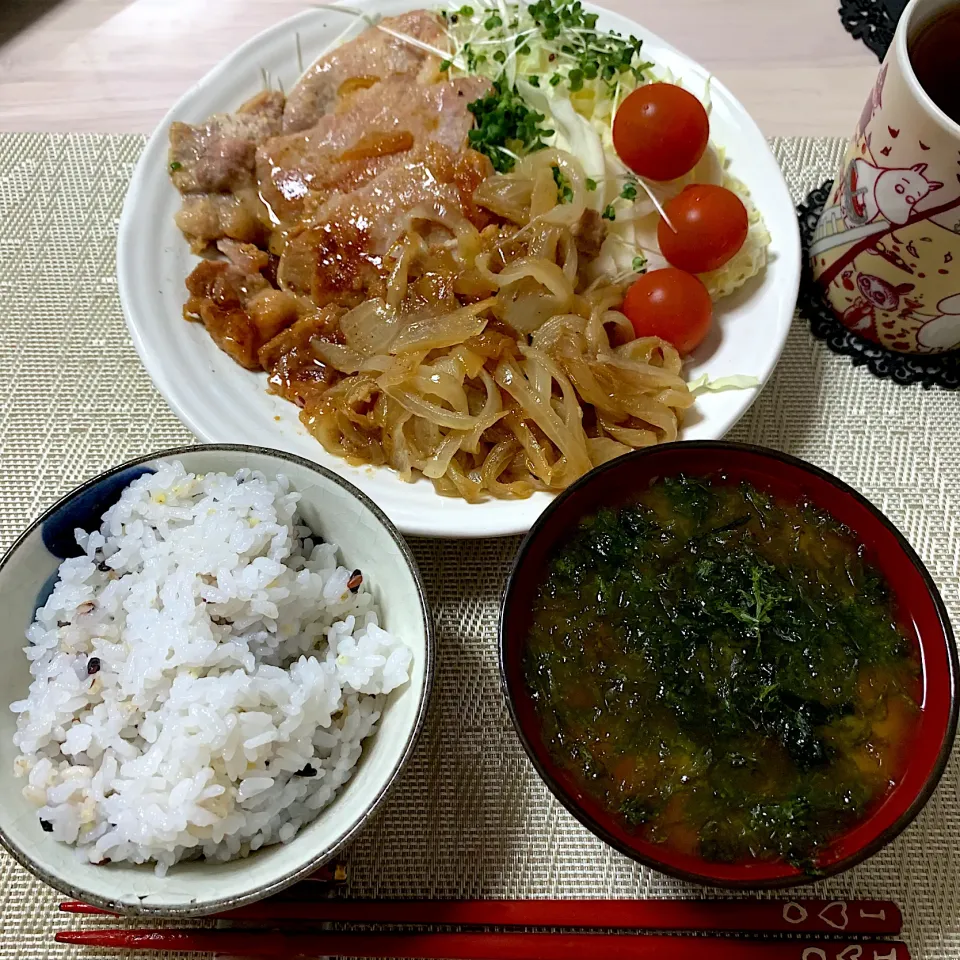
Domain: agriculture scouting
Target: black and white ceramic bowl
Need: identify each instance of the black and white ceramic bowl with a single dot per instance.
(336, 511)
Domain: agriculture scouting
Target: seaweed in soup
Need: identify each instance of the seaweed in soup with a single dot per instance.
(723, 671)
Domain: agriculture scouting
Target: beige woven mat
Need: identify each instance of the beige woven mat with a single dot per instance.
(470, 817)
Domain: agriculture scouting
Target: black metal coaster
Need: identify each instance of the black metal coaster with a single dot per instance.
(872, 21)
(938, 369)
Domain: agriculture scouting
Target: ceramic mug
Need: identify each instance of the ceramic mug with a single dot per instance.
(887, 248)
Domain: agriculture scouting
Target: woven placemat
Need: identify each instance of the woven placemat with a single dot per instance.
(470, 816)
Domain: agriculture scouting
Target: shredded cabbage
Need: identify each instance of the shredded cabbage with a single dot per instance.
(737, 381)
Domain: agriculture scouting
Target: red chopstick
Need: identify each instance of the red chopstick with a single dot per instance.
(328, 873)
(483, 946)
(873, 917)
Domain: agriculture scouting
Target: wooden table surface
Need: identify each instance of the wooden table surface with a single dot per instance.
(115, 66)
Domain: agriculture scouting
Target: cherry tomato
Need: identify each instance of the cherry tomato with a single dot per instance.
(660, 131)
(710, 227)
(671, 304)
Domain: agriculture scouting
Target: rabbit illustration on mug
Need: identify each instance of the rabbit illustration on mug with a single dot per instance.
(883, 193)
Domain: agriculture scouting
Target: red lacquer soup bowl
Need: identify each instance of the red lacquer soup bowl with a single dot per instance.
(922, 616)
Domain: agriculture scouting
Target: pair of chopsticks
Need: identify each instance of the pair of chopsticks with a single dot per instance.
(846, 918)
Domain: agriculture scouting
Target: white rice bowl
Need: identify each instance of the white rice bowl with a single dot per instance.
(203, 676)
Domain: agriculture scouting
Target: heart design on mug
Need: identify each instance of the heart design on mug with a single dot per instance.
(923, 146)
(886, 152)
(893, 133)
(853, 952)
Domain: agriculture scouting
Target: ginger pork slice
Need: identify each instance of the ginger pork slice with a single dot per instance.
(293, 368)
(237, 303)
(339, 258)
(218, 156)
(206, 218)
(362, 62)
(212, 164)
(373, 131)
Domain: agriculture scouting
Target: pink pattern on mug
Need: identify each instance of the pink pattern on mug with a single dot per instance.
(892, 225)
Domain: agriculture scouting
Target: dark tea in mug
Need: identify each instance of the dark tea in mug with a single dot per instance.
(935, 58)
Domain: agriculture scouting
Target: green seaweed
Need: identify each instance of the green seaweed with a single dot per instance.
(700, 656)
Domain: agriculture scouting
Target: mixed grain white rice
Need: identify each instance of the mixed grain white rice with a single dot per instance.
(203, 676)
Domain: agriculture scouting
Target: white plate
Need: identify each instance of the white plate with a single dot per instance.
(223, 403)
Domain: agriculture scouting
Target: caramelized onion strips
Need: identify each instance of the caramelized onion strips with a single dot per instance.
(491, 366)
